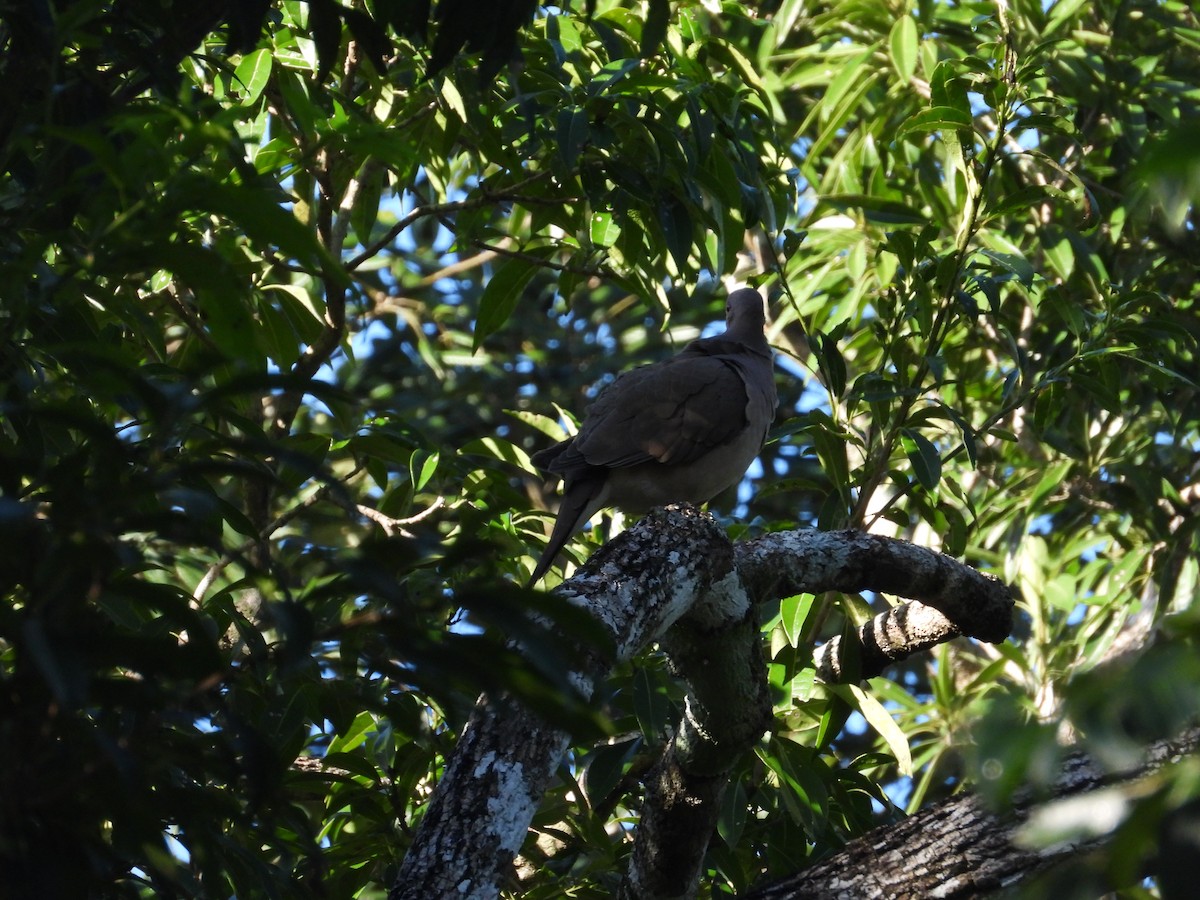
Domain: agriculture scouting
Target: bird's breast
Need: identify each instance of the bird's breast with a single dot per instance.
(642, 487)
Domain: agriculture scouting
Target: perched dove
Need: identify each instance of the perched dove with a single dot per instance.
(680, 430)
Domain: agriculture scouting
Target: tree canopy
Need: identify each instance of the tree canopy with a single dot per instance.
(289, 292)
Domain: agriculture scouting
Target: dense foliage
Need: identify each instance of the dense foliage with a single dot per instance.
(288, 294)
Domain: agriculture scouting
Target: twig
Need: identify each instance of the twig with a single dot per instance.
(282, 519)
(462, 265)
(534, 258)
(190, 319)
(420, 212)
(391, 526)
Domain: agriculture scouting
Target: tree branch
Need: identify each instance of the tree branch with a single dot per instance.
(890, 637)
(790, 562)
(674, 578)
(959, 848)
(537, 260)
(214, 571)
(637, 586)
(486, 198)
(716, 650)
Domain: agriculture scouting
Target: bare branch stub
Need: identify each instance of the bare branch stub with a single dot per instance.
(893, 635)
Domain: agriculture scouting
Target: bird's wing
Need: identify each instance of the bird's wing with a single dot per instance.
(672, 412)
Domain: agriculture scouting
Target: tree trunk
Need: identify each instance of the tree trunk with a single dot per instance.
(480, 810)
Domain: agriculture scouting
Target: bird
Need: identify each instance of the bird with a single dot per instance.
(680, 430)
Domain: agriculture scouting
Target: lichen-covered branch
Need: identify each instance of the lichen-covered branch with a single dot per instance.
(637, 587)
(716, 649)
(947, 598)
(889, 637)
(675, 578)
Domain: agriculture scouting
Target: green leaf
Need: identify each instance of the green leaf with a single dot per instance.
(1017, 265)
(454, 99)
(1060, 13)
(831, 451)
(903, 42)
(734, 814)
(793, 612)
(741, 65)
(363, 215)
(658, 16)
(326, 26)
(878, 209)
(260, 215)
(501, 294)
(924, 458)
(421, 467)
(650, 703)
(604, 229)
(879, 719)
(371, 37)
(300, 103)
(563, 34)
(834, 717)
(547, 426)
(232, 326)
(858, 611)
(253, 72)
(948, 89)
(936, 118)
(202, 269)
(603, 768)
(676, 224)
(833, 366)
(610, 74)
(572, 134)
(306, 319)
(276, 337)
(364, 722)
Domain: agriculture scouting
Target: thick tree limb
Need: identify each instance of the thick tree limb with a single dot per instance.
(948, 598)
(958, 848)
(684, 791)
(637, 587)
(789, 562)
(716, 650)
(674, 577)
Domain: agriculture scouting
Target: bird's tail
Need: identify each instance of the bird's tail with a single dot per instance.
(581, 498)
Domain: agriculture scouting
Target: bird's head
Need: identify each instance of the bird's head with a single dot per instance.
(745, 312)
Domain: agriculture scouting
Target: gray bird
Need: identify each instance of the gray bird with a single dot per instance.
(681, 430)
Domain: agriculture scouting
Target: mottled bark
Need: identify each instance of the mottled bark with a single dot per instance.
(717, 650)
(949, 598)
(637, 586)
(675, 578)
(958, 848)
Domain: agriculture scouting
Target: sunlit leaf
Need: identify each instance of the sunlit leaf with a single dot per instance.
(253, 72)
(937, 118)
(902, 42)
(924, 458)
(883, 723)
